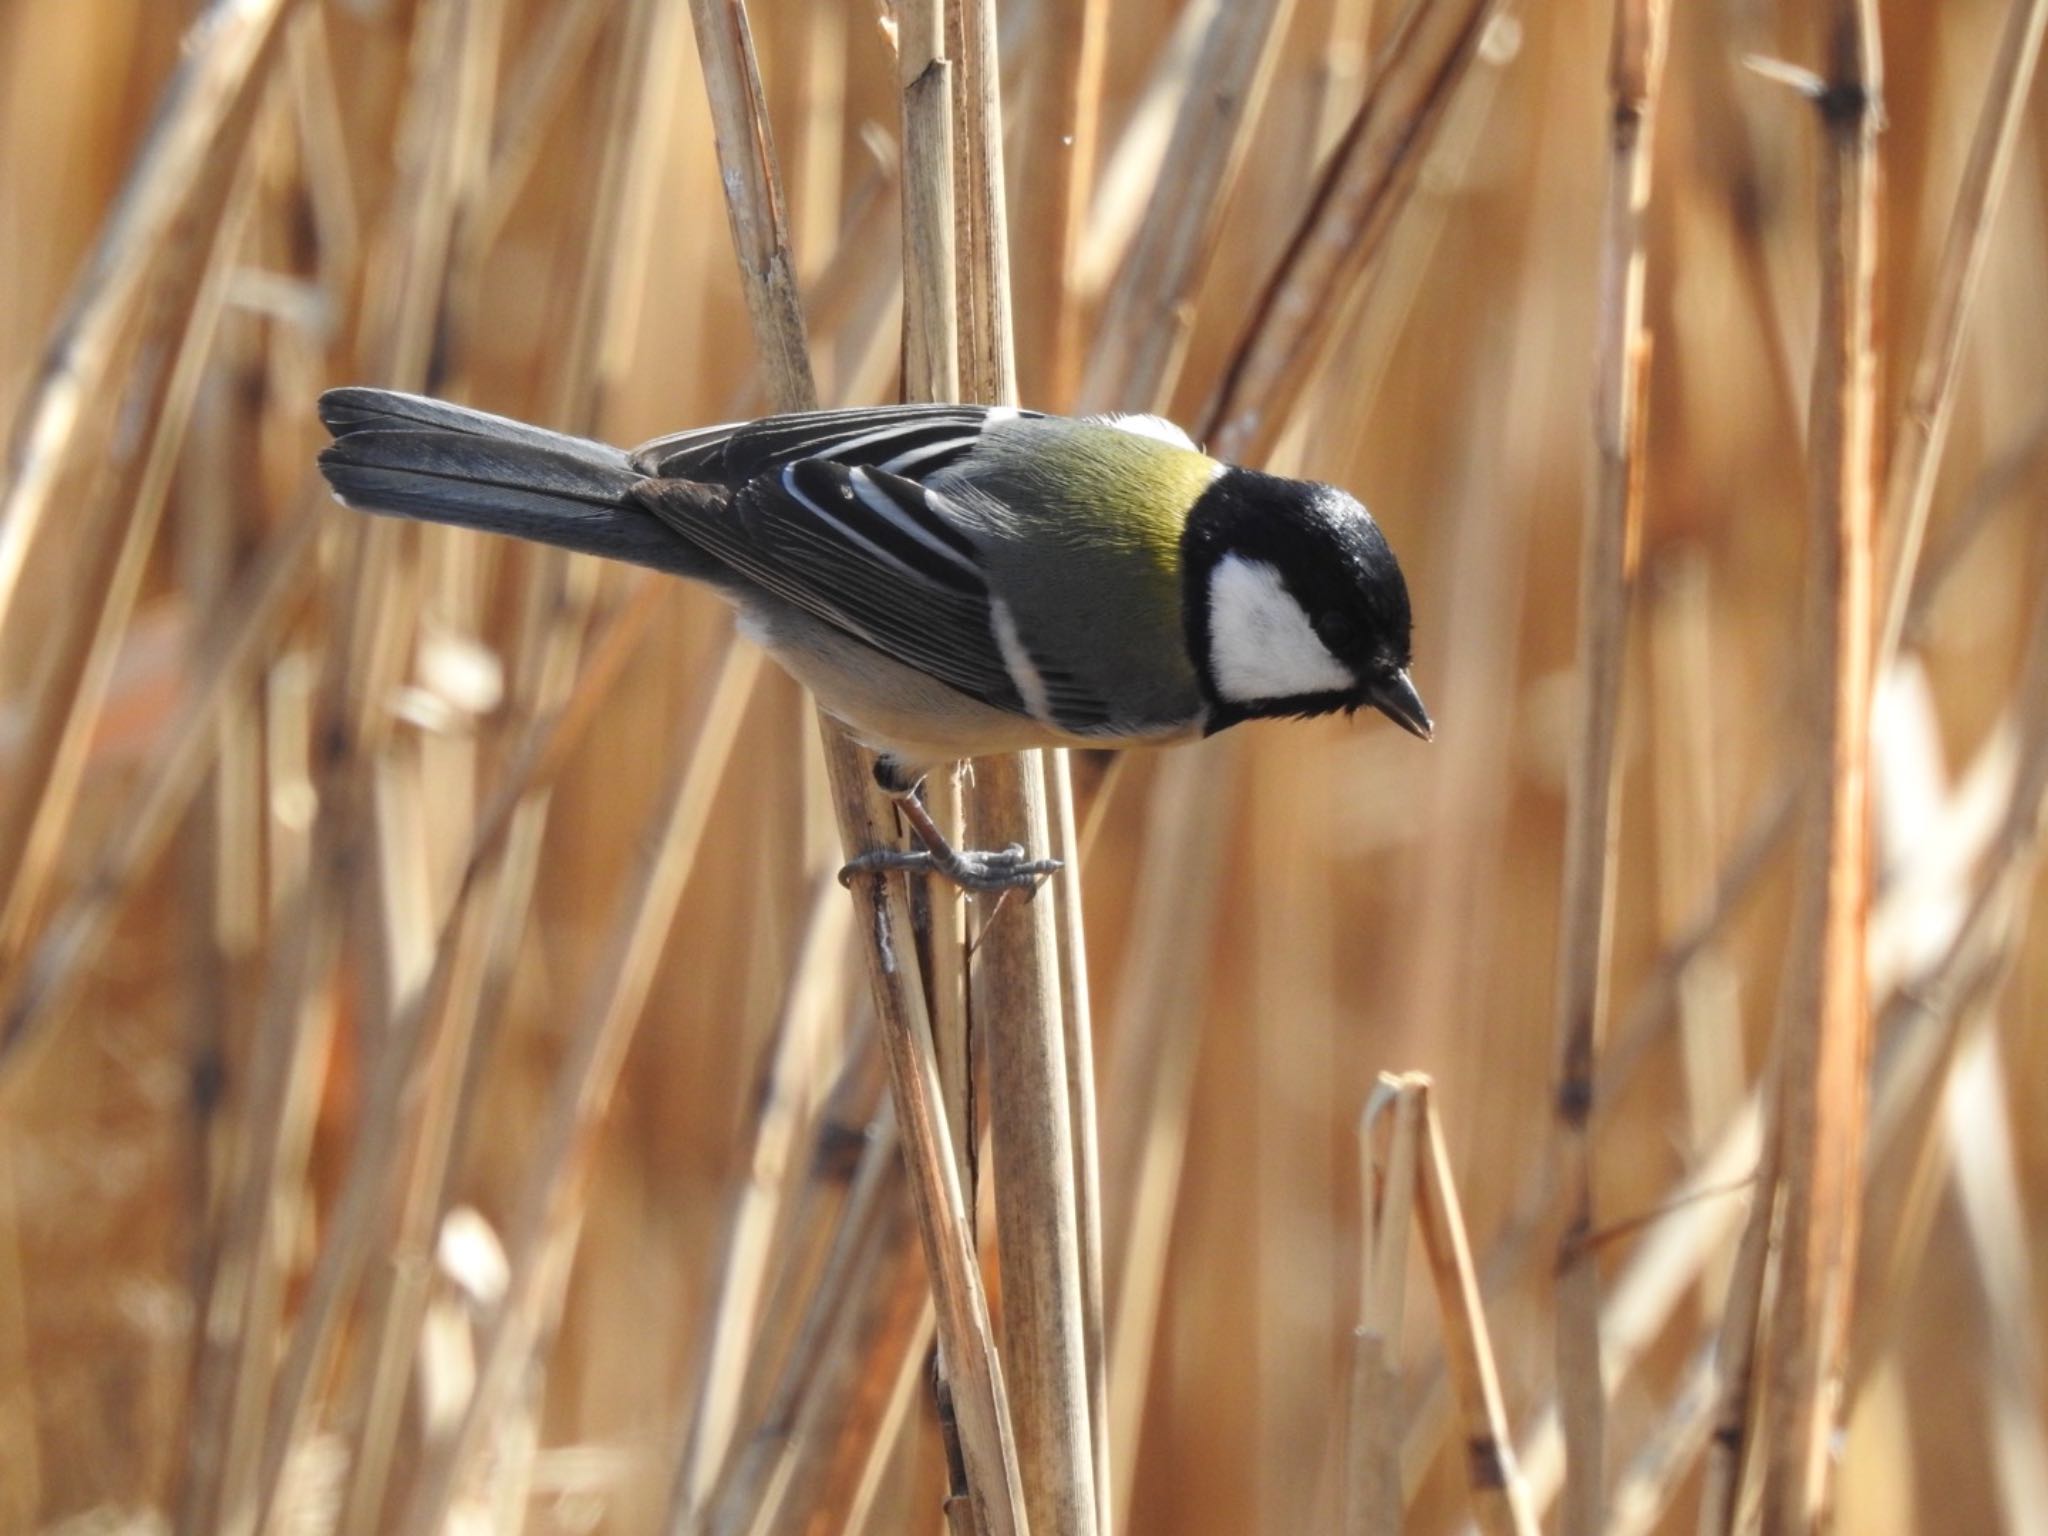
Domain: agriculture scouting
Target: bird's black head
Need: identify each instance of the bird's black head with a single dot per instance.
(1294, 604)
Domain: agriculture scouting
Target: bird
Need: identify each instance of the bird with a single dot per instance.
(948, 581)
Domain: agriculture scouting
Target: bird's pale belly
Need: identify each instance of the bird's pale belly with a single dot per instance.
(905, 713)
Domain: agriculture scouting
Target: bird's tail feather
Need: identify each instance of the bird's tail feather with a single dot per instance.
(426, 459)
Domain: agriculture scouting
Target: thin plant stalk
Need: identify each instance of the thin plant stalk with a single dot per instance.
(1825, 1036)
(1361, 192)
(1593, 807)
(1500, 1498)
(751, 1226)
(177, 187)
(1916, 448)
(543, 1226)
(755, 209)
(1142, 334)
(1017, 985)
(1388, 1185)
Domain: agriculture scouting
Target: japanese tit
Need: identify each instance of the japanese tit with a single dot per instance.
(949, 581)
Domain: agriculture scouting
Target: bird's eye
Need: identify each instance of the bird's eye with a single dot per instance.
(1335, 630)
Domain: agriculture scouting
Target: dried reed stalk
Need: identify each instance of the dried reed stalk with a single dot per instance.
(557, 599)
(237, 1377)
(542, 1230)
(931, 331)
(981, 220)
(755, 207)
(1825, 1037)
(1078, 1019)
(1359, 195)
(70, 943)
(864, 1319)
(1156, 1048)
(1916, 447)
(1388, 1186)
(119, 517)
(1689, 1218)
(823, 1439)
(172, 197)
(931, 372)
(1017, 983)
(1606, 579)
(1142, 333)
(1735, 1350)
(1500, 1499)
(1059, 129)
(816, 982)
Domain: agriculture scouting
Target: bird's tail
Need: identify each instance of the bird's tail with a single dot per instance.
(415, 457)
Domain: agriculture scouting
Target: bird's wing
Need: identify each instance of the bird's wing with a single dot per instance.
(892, 564)
(901, 439)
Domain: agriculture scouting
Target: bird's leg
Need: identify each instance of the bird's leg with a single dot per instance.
(1001, 870)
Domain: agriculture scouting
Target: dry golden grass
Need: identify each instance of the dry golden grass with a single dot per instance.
(439, 1078)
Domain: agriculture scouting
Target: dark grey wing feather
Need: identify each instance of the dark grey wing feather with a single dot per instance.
(900, 438)
(880, 558)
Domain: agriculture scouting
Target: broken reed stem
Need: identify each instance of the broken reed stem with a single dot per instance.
(1824, 1040)
(1916, 447)
(1017, 983)
(754, 207)
(1500, 1499)
(1606, 579)
(1361, 192)
(1372, 1499)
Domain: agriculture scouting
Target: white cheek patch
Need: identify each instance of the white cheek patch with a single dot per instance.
(1261, 644)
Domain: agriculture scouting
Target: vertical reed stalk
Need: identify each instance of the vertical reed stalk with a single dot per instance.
(1606, 577)
(1017, 977)
(754, 206)
(1916, 447)
(1500, 1498)
(1388, 1185)
(1825, 1040)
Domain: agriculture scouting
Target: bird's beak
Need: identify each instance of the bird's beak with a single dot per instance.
(1397, 699)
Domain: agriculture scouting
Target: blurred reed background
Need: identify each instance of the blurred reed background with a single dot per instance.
(596, 1224)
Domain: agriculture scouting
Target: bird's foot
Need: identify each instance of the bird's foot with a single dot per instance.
(1004, 869)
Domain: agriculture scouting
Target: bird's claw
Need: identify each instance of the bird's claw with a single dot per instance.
(1005, 869)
